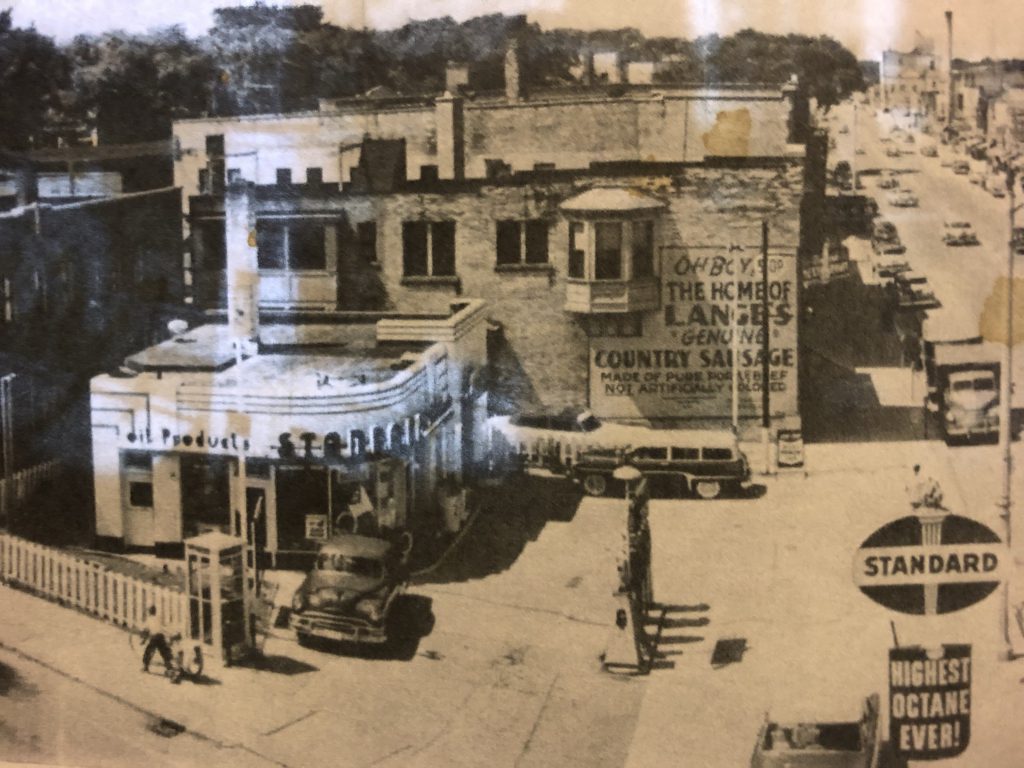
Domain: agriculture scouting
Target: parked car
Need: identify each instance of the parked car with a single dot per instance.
(929, 150)
(976, 177)
(1017, 241)
(961, 168)
(995, 184)
(911, 291)
(903, 198)
(909, 139)
(885, 239)
(350, 591)
(702, 462)
(893, 152)
(889, 268)
(888, 181)
(959, 233)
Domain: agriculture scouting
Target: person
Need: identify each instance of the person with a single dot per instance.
(156, 640)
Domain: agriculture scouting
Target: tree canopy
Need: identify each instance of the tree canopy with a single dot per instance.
(266, 58)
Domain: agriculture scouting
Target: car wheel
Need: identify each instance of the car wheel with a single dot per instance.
(708, 489)
(595, 484)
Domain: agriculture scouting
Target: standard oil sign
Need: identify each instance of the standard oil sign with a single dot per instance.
(929, 564)
(929, 702)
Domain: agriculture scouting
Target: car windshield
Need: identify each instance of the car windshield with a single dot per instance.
(962, 386)
(984, 385)
(357, 566)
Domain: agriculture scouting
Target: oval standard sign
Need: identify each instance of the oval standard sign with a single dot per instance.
(927, 564)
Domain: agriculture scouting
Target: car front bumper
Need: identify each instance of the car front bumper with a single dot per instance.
(336, 628)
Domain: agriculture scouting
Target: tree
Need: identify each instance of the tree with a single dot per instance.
(32, 72)
(135, 85)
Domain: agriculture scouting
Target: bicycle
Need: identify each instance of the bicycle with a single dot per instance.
(179, 667)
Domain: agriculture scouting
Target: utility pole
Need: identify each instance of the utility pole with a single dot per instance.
(7, 430)
(766, 348)
(1005, 416)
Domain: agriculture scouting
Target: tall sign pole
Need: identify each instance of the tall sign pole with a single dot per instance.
(766, 346)
(1006, 414)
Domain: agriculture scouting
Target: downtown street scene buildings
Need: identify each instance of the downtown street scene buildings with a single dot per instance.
(557, 423)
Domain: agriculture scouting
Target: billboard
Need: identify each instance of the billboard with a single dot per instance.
(712, 310)
(929, 702)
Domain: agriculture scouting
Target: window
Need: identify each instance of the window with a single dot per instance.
(366, 242)
(717, 454)
(607, 251)
(643, 249)
(140, 494)
(428, 248)
(314, 176)
(614, 326)
(577, 243)
(211, 246)
(522, 242)
(284, 177)
(685, 454)
(652, 454)
(290, 245)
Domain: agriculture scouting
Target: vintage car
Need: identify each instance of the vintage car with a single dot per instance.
(701, 462)
(1017, 241)
(961, 168)
(821, 743)
(903, 198)
(888, 181)
(349, 593)
(893, 152)
(959, 233)
(911, 291)
(885, 239)
(889, 268)
(929, 150)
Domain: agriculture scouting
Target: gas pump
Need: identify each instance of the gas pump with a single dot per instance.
(219, 596)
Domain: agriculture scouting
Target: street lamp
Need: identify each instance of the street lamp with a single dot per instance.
(628, 475)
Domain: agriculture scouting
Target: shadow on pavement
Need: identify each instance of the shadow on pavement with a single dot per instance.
(511, 516)
(281, 665)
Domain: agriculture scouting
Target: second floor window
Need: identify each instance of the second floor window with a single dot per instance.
(522, 242)
(608, 251)
(428, 248)
(290, 245)
(366, 242)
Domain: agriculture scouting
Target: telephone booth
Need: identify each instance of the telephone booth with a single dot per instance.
(218, 595)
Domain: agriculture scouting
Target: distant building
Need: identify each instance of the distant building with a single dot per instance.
(609, 67)
(913, 83)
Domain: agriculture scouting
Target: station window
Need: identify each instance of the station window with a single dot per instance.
(577, 249)
(314, 176)
(428, 248)
(643, 248)
(366, 242)
(290, 245)
(284, 177)
(608, 251)
(522, 242)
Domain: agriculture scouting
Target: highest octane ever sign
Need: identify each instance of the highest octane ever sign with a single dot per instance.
(929, 564)
(929, 702)
(713, 303)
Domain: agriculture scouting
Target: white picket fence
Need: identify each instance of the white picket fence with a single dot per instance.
(90, 587)
(21, 484)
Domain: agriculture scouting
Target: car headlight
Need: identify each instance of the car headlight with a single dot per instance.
(298, 602)
(371, 608)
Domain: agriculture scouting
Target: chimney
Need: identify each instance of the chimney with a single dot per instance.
(243, 269)
(513, 85)
(949, 56)
(456, 76)
(451, 142)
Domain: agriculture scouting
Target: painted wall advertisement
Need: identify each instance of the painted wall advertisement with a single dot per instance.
(929, 702)
(712, 307)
